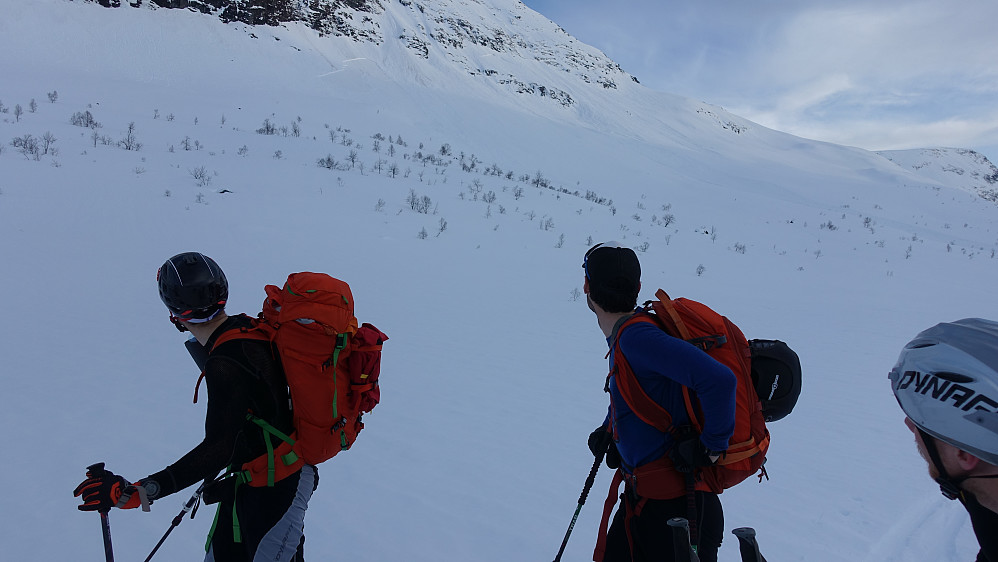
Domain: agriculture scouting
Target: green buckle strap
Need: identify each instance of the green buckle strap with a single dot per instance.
(341, 344)
(241, 477)
(237, 535)
(211, 532)
(268, 431)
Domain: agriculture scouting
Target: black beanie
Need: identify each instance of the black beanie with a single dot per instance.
(614, 271)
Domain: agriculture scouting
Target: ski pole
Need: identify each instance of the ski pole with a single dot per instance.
(747, 545)
(106, 529)
(176, 520)
(96, 470)
(681, 547)
(582, 500)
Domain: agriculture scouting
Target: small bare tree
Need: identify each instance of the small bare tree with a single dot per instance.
(129, 142)
(268, 128)
(84, 119)
(27, 145)
(48, 139)
(201, 176)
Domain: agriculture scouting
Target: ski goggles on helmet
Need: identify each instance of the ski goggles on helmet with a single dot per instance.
(195, 316)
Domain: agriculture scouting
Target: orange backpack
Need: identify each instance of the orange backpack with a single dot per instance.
(721, 339)
(332, 370)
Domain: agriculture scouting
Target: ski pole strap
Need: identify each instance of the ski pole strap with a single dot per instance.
(691, 509)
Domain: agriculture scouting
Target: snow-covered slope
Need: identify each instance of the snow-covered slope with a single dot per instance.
(957, 167)
(458, 208)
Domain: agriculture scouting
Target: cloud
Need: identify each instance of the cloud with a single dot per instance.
(871, 73)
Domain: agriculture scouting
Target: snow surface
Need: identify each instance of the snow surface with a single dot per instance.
(494, 372)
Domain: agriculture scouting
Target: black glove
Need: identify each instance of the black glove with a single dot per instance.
(602, 440)
(599, 440)
(102, 490)
(690, 453)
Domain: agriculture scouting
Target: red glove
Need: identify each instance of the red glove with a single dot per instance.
(103, 490)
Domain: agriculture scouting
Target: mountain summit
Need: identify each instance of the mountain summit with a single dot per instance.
(463, 33)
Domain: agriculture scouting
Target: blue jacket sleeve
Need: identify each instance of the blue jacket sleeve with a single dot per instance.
(651, 352)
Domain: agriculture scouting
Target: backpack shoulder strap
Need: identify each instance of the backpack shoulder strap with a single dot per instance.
(259, 331)
(668, 319)
(647, 410)
(254, 330)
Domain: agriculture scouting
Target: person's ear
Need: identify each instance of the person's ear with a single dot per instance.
(585, 286)
(967, 461)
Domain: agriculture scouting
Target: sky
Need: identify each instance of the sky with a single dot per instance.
(877, 74)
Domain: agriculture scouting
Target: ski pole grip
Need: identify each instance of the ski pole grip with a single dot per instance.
(744, 532)
(748, 547)
(96, 469)
(682, 549)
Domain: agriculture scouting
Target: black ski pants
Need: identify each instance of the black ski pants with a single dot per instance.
(270, 521)
(652, 535)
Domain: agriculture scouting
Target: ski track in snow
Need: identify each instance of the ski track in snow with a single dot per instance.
(927, 530)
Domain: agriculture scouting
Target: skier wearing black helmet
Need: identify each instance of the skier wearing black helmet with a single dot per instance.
(946, 381)
(241, 376)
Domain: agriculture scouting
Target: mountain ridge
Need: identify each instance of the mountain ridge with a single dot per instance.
(502, 46)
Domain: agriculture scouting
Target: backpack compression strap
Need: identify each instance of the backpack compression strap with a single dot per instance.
(671, 322)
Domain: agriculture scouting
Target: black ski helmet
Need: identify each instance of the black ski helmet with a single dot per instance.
(192, 286)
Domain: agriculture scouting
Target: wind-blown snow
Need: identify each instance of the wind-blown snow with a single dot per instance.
(493, 376)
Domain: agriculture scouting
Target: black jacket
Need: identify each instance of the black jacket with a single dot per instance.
(241, 376)
(985, 524)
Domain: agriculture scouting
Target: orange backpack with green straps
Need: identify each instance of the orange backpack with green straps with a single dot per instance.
(332, 368)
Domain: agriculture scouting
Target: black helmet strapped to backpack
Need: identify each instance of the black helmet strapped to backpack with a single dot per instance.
(192, 286)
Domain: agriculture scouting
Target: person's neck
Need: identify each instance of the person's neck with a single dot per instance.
(985, 490)
(608, 320)
(203, 331)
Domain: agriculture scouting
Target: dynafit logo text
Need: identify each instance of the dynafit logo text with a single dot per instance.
(956, 394)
